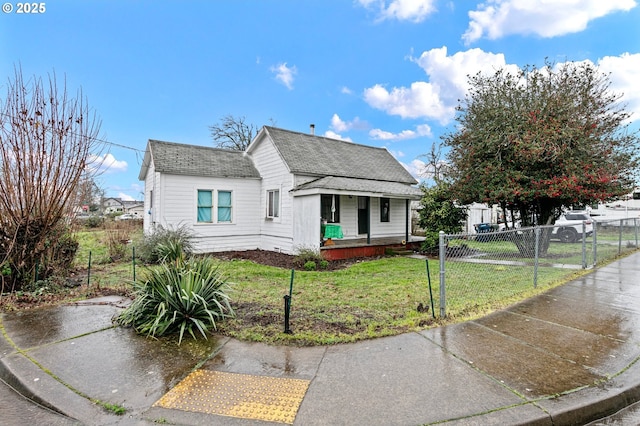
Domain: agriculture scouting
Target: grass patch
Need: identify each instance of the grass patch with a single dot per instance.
(368, 299)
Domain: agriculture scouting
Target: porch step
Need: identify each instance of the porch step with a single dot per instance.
(402, 252)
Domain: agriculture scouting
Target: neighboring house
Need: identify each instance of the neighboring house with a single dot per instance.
(276, 195)
(135, 208)
(112, 205)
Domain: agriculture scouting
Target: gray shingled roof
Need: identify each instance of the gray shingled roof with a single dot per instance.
(180, 159)
(319, 156)
(384, 189)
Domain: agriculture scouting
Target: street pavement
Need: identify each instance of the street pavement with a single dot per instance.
(566, 357)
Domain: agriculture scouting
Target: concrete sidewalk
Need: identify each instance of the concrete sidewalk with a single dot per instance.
(565, 357)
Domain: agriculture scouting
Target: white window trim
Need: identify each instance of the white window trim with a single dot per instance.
(279, 206)
(214, 207)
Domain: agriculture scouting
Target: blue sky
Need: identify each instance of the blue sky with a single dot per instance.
(377, 72)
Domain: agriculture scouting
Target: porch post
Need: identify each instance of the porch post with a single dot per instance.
(407, 218)
(369, 220)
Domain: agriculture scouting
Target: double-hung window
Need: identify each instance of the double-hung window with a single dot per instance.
(273, 203)
(214, 206)
(224, 206)
(205, 206)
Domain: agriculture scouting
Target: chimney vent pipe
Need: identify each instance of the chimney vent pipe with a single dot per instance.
(312, 127)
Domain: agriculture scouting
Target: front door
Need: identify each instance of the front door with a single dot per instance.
(363, 215)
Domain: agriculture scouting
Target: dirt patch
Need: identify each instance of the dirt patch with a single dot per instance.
(281, 260)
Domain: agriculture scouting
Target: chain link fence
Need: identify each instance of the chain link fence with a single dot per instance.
(482, 271)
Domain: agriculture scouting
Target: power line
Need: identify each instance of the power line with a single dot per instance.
(96, 139)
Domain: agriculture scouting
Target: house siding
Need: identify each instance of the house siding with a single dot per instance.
(398, 218)
(149, 191)
(306, 222)
(179, 208)
(277, 233)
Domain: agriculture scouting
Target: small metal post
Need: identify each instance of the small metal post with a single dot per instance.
(133, 262)
(287, 307)
(635, 227)
(442, 253)
(89, 271)
(433, 312)
(584, 244)
(620, 237)
(595, 244)
(536, 257)
(291, 284)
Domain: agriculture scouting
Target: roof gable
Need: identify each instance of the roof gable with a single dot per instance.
(193, 160)
(319, 156)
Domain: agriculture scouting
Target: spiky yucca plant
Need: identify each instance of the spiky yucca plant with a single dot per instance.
(185, 295)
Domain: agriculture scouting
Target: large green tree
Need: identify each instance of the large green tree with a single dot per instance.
(542, 139)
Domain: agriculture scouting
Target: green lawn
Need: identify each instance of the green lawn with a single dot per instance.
(368, 299)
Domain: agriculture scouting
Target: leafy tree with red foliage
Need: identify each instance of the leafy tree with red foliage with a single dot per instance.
(540, 140)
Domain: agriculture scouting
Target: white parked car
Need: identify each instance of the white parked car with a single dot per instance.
(125, 216)
(568, 227)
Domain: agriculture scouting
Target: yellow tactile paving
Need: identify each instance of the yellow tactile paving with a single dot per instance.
(273, 399)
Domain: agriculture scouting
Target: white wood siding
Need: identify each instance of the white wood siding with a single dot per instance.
(349, 216)
(277, 233)
(178, 207)
(306, 222)
(397, 219)
(149, 185)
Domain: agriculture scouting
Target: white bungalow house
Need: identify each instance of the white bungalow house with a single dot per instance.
(278, 194)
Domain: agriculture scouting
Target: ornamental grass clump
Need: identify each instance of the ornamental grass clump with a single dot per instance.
(187, 295)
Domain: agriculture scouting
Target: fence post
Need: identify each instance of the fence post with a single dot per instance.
(595, 243)
(536, 257)
(584, 244)
(89, 271)
(620, 237)
(635, 227)
(133, 262)
(443, 252)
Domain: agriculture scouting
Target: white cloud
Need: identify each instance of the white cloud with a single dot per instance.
(285, 74)
(345, 90)
(421, 130)
(339, 125)
(420, 100)
(447, 83)
(437, 98)
(333, 135)
(624, 75)
(416, 168)
(125, 197)
(546, 18)
(106, 163)
(402, 10)
(396, 154)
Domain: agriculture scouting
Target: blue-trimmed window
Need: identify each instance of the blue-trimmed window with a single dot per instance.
(205, 205)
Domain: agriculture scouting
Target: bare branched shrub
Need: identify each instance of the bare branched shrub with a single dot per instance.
(46, 138)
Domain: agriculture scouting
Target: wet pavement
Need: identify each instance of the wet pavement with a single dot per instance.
(569, 356)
